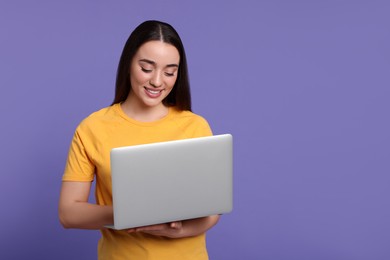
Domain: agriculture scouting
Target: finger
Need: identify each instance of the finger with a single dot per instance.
(176, 225)
(152, 227)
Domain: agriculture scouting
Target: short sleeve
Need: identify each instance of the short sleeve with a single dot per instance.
(79, 166)
(203, 128)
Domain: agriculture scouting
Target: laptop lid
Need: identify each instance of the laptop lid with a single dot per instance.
(170, 181)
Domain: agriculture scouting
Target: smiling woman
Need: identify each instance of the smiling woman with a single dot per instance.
(153, 73)
(152, 104)
(148, 32)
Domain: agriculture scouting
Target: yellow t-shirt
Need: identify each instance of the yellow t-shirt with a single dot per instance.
(89, 157)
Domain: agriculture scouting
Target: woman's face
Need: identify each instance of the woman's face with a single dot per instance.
(153, 73)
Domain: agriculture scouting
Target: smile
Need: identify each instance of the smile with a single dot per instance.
(154, 92)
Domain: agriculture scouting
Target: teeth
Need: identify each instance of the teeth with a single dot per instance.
(153, 91)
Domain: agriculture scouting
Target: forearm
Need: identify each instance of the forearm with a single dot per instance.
(76, 212)
(85, 215)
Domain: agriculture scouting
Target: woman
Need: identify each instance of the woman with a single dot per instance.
(152, 104)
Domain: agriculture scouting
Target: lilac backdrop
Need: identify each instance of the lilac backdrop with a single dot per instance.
(302, 85)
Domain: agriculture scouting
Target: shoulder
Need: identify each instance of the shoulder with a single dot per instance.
(97, 120)
(191, 122)
(188, 116)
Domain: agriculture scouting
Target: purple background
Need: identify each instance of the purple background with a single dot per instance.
(303, 86)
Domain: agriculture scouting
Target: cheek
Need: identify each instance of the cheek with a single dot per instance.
(171, 82)
(137, 77)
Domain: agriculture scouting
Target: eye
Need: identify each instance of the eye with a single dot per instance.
(169, 74)
(145, 70)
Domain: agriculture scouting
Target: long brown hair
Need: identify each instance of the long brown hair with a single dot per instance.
(180, 96)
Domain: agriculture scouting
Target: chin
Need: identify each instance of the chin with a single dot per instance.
(153, 103)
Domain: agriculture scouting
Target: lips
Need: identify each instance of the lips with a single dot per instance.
(153, 93)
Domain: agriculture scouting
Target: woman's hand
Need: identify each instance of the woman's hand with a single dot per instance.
(179, 229)
(171, 230)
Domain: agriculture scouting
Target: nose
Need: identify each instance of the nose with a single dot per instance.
(156, 80)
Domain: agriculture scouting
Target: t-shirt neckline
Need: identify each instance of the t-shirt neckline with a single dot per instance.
(119, 109)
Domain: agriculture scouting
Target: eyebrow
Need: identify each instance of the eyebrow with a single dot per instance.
(154, 63)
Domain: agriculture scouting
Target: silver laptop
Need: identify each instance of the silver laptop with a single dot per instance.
(170, 181)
